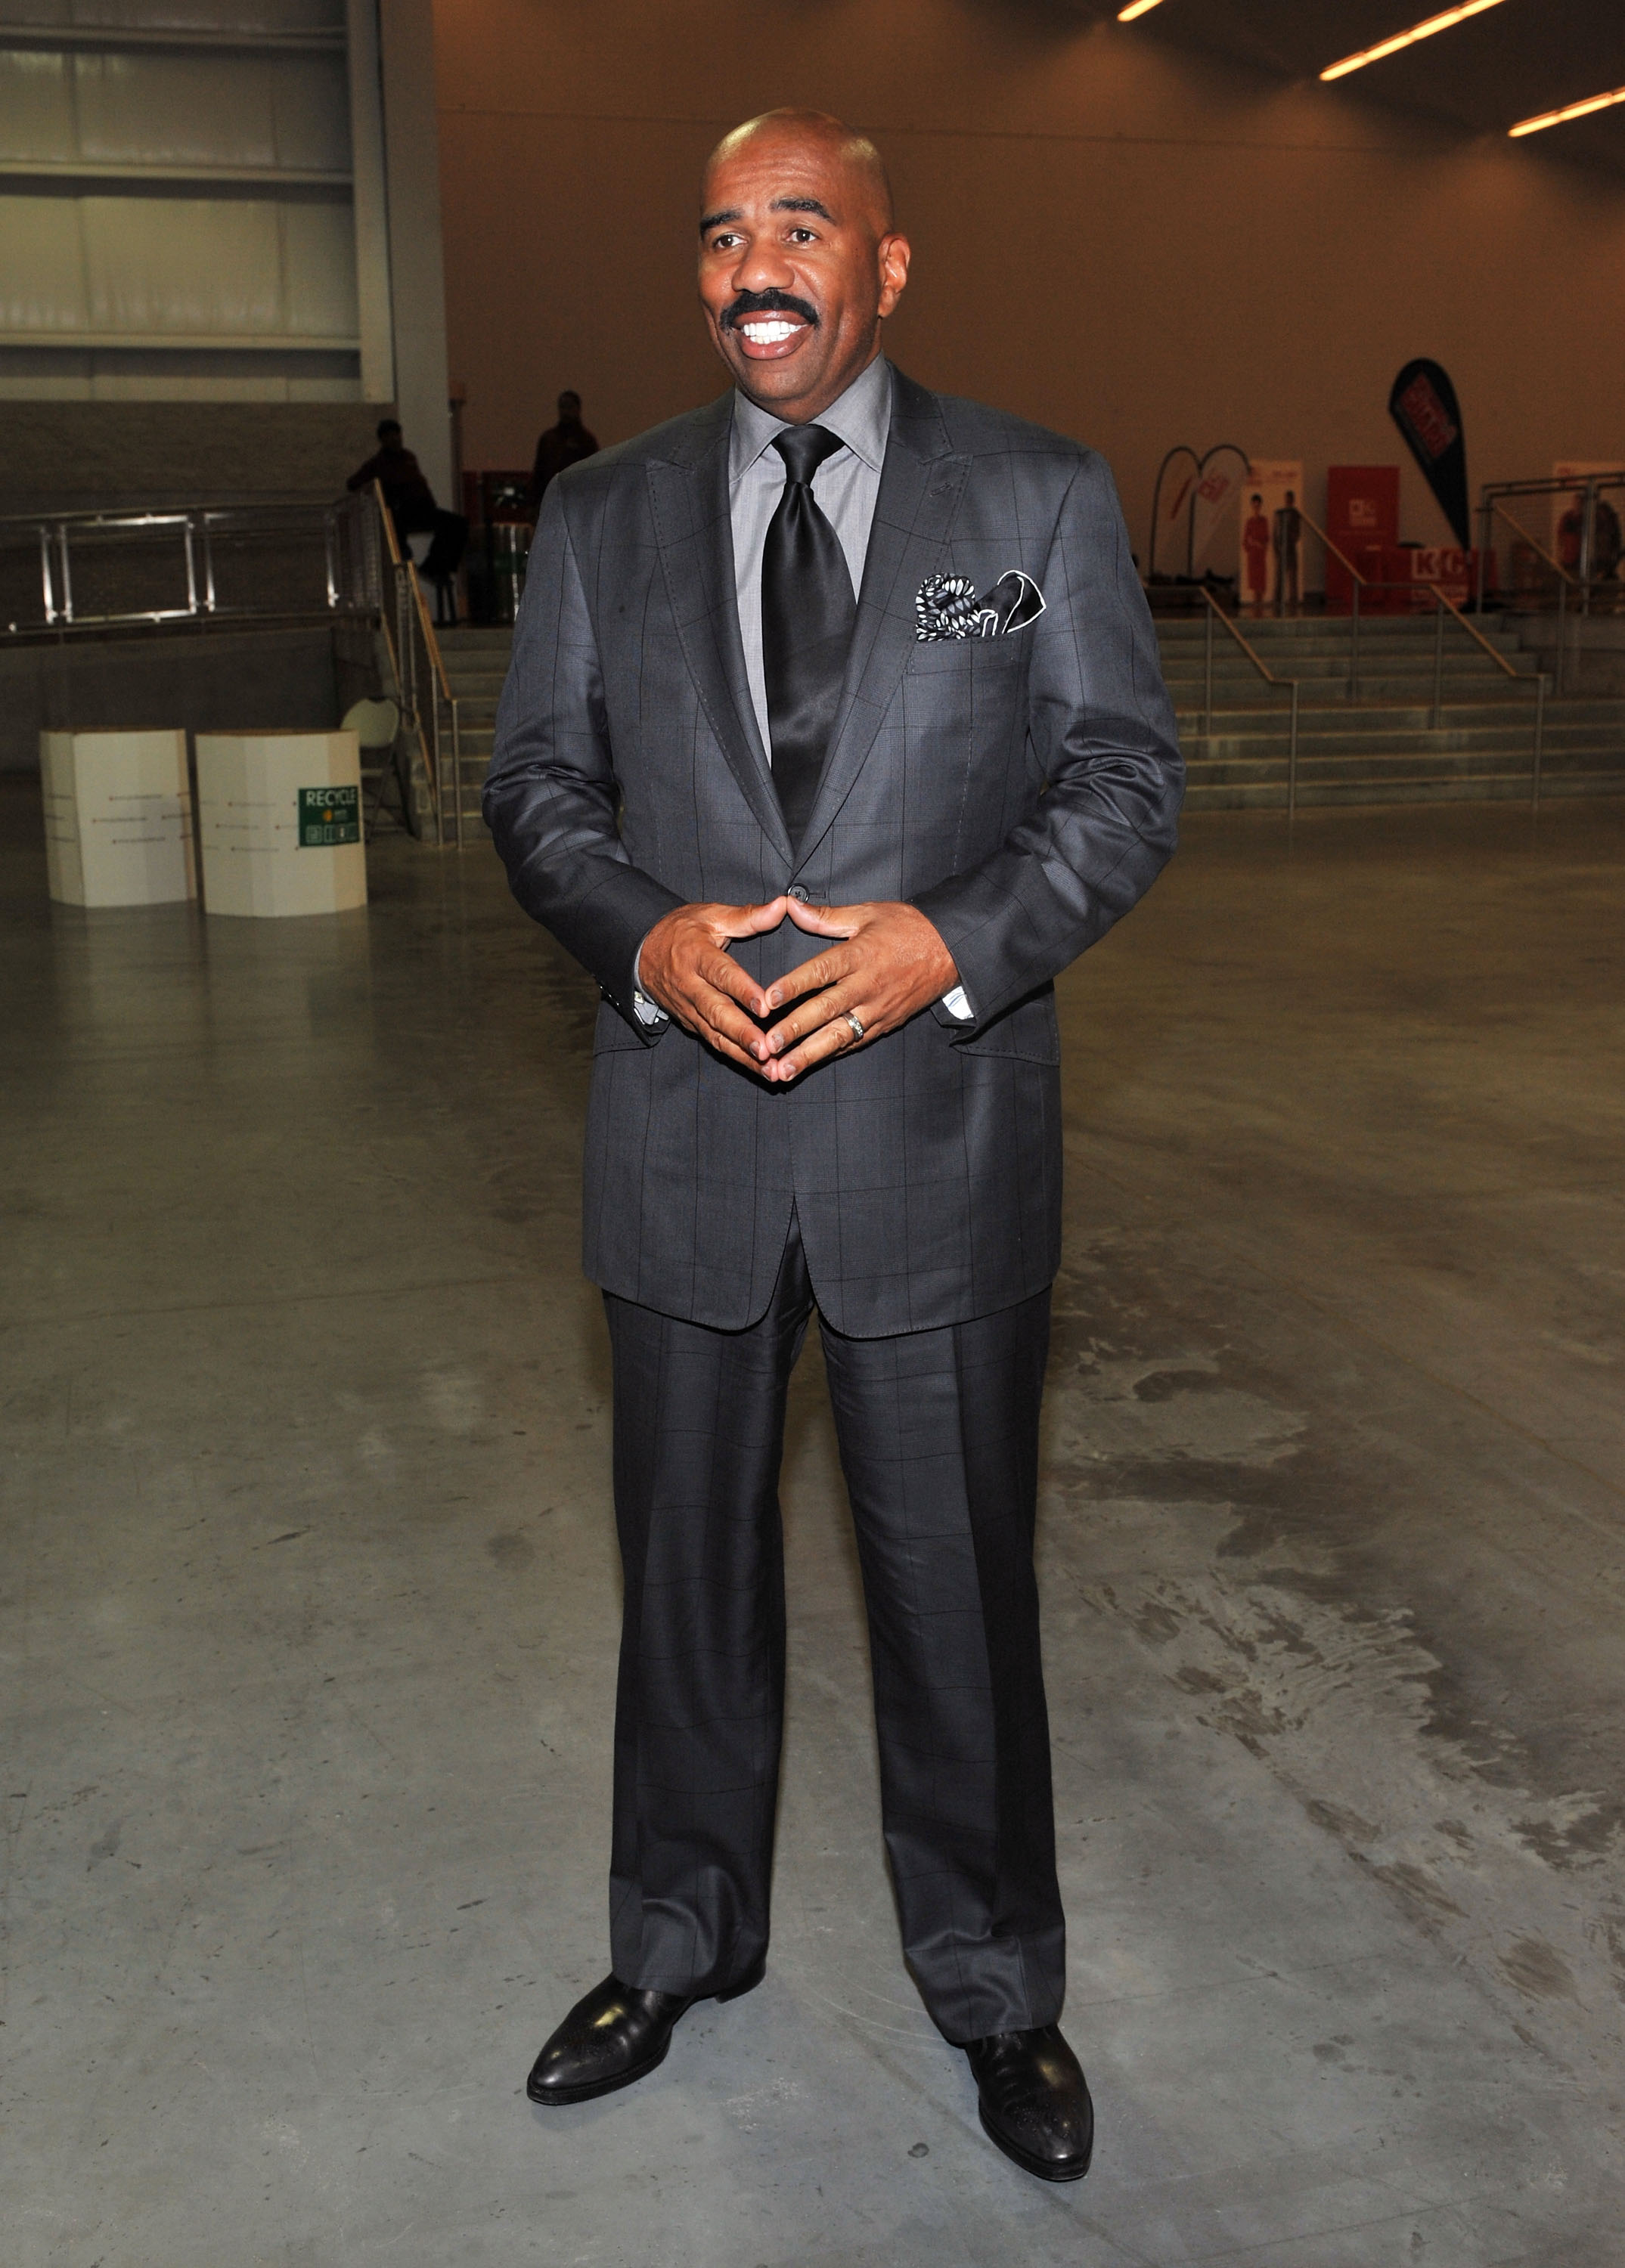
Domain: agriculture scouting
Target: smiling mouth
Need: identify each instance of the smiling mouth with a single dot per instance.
(770, 330)
(771, 333)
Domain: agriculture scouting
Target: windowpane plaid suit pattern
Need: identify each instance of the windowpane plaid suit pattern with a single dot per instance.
(1022, 791)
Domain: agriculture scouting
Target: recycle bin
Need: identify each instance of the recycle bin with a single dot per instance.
(279, 818)
(118, 818)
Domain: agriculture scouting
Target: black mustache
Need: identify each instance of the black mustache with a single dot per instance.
(766, 303)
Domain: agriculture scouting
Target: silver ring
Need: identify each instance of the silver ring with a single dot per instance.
(857, 1028)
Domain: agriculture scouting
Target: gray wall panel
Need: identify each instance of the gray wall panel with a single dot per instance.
(42, 282)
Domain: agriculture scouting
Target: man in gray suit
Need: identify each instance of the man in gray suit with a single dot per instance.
(834, 732)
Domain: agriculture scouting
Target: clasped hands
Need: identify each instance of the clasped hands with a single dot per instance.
(886, 963)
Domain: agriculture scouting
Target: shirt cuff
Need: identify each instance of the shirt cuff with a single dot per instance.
(646, 1010)
(649, 1012)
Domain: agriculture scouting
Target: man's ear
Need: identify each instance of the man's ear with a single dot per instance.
(892, 256)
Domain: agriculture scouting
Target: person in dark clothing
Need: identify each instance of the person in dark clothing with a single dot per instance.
(411, 506)
(1289, 537)
(562, 445)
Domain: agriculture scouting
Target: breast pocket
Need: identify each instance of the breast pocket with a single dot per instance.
(963, 699)
(968, 658)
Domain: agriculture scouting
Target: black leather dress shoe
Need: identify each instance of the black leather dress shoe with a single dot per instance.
(1035, 2103)
(616, 2035)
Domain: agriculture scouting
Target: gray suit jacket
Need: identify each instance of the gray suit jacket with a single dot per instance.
(1021, 790)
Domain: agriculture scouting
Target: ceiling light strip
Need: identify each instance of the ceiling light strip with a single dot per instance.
(1569, 110)
(1424, 31)
(1136, 8)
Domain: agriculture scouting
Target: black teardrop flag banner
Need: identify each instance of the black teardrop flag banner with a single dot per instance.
(1422, 404)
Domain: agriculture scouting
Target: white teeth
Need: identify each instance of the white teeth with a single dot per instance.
(769, 334)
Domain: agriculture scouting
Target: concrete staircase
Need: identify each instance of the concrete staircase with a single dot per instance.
(476, 662)
(1383, 745)
(1380, 747)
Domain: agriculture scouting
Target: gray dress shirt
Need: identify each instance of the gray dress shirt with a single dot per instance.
(845, 486)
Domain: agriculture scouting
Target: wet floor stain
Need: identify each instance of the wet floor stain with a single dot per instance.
(1192, 1502)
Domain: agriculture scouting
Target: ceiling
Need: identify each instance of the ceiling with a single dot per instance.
(1515, 60)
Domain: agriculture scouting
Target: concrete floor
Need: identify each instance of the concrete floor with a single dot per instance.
(310, 1603)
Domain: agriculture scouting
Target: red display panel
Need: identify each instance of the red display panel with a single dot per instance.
(1362, 516)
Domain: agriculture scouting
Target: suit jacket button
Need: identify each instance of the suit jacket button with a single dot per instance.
(798, 893)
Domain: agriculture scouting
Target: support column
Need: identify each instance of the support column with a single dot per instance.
(416, 264)
(372, 203)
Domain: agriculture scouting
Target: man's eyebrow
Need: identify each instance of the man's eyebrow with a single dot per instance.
(709, 221)
(802, 205)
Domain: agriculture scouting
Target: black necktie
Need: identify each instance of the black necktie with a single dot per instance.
(807, 615)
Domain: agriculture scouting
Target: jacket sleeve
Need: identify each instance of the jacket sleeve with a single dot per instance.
(552, 800)
(1103, 739)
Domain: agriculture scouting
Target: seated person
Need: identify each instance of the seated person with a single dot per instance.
(410, 502)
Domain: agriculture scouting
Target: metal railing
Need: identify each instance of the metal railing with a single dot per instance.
(1216, 612)
(1358, 583)
(81, 573)
(1443, 603)
(1579, 578)
(1443, 607)
(64, 575)
(429, 709)
(1566, 582)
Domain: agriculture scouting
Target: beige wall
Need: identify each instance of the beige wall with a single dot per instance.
(1137, 250)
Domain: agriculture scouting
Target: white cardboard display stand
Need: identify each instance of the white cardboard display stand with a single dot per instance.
(118, 818)
(279, 815)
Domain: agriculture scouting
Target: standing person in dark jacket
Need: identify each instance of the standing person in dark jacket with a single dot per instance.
(562, 445)
(835, 731)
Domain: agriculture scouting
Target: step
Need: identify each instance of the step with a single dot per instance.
(1268, 790)
(1272, 795)
(1188, 686)
(1376, 723)
(1371, 641)
(1382, 772)
(1389, 654)
(470, 638)
(1327, 692)
(1415, 622)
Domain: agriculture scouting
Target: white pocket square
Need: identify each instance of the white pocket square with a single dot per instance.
(947, 607)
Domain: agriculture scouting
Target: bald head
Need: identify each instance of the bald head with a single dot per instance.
(800, 259)
(853, 153)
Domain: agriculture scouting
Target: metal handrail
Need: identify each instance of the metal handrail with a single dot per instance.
(1269, 677)
(1442, 600)
(415, 634)
(1474, 632)
(198, 527)
(1444, 604)
(1535, 545)
(1492, 508)
(1549, 484)
(162, 515)
(1360, 582)
(1593, 483)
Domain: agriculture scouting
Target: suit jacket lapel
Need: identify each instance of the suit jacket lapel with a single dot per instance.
(920, 489)
(688, 493)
